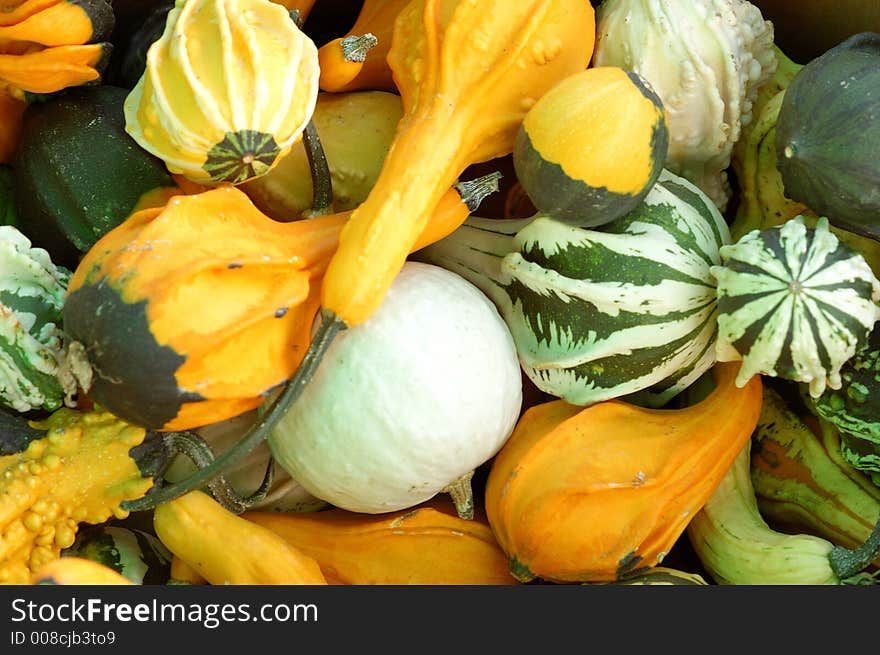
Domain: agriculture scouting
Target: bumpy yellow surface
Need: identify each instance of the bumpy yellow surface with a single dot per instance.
(79, 472)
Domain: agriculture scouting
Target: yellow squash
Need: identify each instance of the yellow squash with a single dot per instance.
(226, 549)
(77, 571)
(79, 472)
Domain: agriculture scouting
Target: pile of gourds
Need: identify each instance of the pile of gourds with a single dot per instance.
(481, 293)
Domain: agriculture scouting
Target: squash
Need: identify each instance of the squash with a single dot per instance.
(431, 388)
(827, 135)
(57, 23)
(46, 46)
(601, 493)
(794, 303)
(183, 573)
(68, 193)
(592, 147)
(357, 60)
(211, 125)
(226, 549)
(77, 571)
(426, 545)
(850, 409)
(193, 313)
(196, 312)
(38, 370)
(135, 554)
(355, 130)
(802, 482)
(624, 309)
(736, 546)
(54, 485)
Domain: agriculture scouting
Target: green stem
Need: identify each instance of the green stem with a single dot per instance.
(846, 563)
(322, 183)
(258, 432)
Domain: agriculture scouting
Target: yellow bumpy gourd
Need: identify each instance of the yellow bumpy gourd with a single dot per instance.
(79, 472)
(228, 88)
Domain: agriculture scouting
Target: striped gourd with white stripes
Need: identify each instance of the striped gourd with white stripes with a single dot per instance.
(625, 309)
(33, 374)
(794, 303)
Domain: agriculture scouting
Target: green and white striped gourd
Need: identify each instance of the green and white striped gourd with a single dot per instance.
(794, 303)
(136, 555)
(34, 366)
(624, 309)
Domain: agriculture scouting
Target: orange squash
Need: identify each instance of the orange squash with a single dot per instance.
(357, 60)
(602, 493)
(428, 544)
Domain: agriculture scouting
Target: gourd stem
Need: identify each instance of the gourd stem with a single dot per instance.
(199, 452)
(473, 192)
(355, 48)
(462, 495)
(846, 563)
(322, 184)
(259, 431)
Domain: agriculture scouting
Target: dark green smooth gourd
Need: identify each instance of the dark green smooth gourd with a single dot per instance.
(77, 173)
(828, 135)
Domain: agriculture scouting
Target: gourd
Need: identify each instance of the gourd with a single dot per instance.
(827, 135)
(454, 115)
(356, 60)
(431, 388)
(355, 130)
(54, 485)
(850, 409)
(183, 573)
(591, 148)
(135, 554)
(38, 369)
(195, 312)
(227, 90)
(736, 546)
(69, 193)
(707, 60)
(77, 571)
(627, 309)
(47, 47)
(226, 549)
(794, 303)
(802, 482)
(426, 545)
(602, 493)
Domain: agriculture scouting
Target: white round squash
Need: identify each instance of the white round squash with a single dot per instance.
(408, 403)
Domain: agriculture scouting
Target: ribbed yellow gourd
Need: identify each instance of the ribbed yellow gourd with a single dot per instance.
(228, 88)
